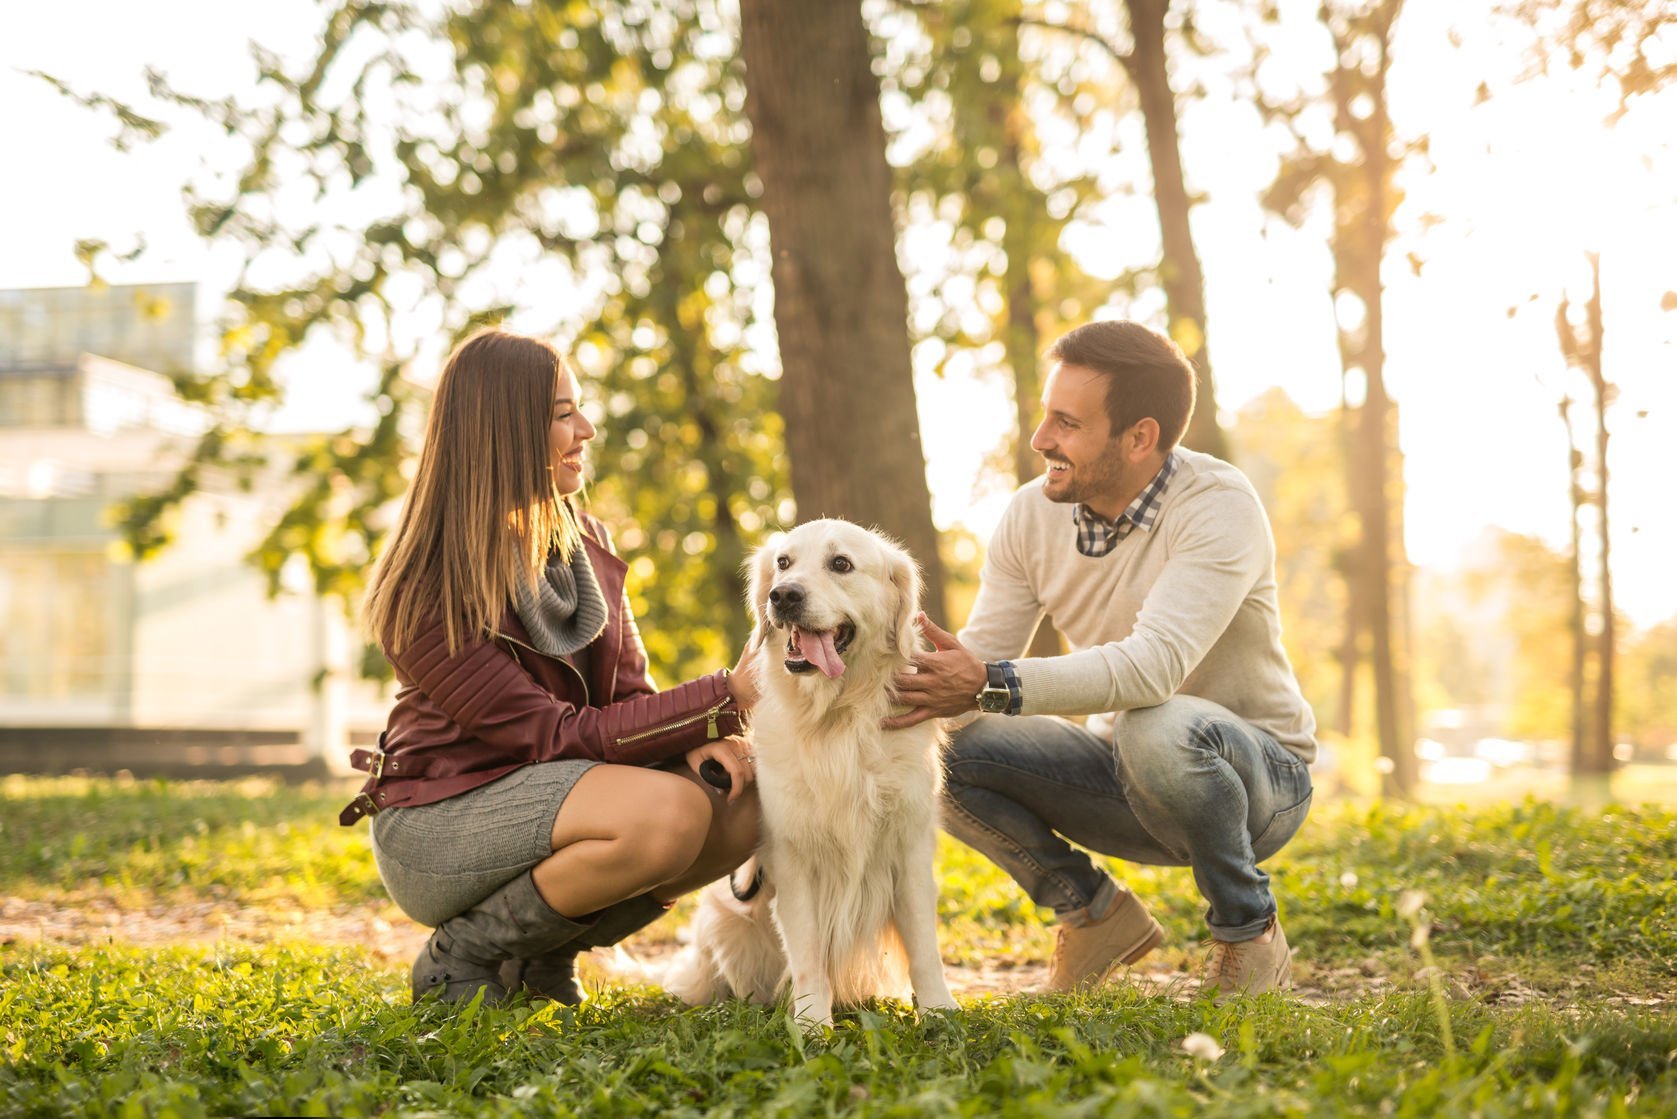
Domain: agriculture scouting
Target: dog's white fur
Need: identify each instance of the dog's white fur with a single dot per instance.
(848, 907)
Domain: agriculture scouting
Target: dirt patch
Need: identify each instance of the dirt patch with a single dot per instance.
(392, 938)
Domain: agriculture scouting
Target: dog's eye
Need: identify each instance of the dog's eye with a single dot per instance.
(783, 562)
(841, 564)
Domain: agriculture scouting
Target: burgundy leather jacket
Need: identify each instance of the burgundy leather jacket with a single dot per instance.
(465, 720)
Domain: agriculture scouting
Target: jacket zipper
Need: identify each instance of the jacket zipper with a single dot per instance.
(512, 643)
(710, 716)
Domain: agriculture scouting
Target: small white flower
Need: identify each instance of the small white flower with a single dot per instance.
(1202, 1046)
(1348, 880)
(1409, 903)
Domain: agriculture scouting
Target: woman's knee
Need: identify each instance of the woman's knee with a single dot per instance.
(672, 830)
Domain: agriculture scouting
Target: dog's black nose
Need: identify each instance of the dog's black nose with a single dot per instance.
(787, 597)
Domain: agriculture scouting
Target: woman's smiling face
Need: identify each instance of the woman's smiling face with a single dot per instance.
(568, 435)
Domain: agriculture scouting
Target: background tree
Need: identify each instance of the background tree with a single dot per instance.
(1357, 172)
(841, 308)
(568, 168)
(1145, 62)
(1289, 454)
(1580, 334)
(1624, 47)
(991, 295)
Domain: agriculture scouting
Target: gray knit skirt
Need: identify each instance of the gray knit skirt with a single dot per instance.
(437, 860)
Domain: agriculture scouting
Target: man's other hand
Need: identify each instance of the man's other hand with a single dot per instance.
(944, 682)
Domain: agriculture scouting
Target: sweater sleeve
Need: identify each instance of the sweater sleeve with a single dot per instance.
(1218, 550)
(1007, 610)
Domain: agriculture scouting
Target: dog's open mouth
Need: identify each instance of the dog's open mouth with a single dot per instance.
(807, 650)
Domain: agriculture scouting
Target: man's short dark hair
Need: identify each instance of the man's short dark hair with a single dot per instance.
(1147, 375)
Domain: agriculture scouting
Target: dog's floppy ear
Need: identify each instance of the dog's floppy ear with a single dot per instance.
(761, 578)
(905, 577)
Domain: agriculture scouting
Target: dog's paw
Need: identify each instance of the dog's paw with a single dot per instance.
(938, 1002)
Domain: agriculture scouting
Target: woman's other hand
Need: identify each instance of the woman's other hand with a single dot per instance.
(733, 755)
(742, 681)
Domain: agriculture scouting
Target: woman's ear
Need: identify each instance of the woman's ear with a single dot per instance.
(905, 577)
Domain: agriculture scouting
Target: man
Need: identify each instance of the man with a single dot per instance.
(1157, 565)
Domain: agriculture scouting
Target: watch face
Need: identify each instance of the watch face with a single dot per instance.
(993, 701)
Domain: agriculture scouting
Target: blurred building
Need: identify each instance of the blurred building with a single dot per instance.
(179, 663)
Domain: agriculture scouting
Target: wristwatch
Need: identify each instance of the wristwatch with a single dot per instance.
(994, 698)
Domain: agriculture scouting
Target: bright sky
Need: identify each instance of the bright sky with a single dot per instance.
(1525, 184)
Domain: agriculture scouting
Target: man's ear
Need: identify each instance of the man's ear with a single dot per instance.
(1142, 439)
(761, 579)
(905, 577)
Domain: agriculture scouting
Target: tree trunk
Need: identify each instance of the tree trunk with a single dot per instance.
(1600, 763)
(1592, 747)
(1580, 639)
(841, 308)
(1020, 336)
(1180, 271)
(1364, 201)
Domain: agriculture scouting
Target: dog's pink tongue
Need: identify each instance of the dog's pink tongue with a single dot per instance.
(818, 649)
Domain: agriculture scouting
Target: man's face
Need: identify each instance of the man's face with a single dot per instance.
(1075, 438)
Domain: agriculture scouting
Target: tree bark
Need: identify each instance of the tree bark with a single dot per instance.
(1580, 638)
(1603, 762)
(1598, 760)
(841, 308)
(1180, 273)
(1363, 226)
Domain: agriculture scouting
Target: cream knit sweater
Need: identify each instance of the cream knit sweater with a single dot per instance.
(1186, 608)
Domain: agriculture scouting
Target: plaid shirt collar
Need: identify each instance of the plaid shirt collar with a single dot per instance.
(1097, 536)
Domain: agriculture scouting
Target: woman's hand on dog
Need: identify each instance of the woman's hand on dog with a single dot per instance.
(742, 681)
(945, 682)
(733, 755)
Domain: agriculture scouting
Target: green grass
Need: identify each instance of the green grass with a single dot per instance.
(265, 1031)
(142, 842)
(1572, 910)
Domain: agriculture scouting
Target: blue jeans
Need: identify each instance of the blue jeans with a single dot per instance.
(1186, 783)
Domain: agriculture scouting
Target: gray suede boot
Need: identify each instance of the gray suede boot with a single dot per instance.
(465, 952)
(552, 974)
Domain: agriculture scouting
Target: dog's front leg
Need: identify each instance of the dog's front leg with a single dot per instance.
(915, 902)
(806, 955)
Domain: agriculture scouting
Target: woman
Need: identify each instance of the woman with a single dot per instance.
(521, 799)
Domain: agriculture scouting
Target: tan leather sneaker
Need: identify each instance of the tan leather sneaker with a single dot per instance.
(1249, 967)
(1086, 955)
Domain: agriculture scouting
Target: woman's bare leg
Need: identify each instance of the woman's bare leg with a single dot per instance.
(623, 831)
(735, 830)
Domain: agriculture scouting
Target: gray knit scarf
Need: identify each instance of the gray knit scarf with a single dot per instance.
(567, 610)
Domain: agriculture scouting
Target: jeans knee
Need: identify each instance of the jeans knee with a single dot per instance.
(1156, 748)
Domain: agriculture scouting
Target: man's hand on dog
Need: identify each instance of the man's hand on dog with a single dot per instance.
(945, 681)
(733, 755)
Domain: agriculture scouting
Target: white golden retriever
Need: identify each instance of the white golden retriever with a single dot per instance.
(847, 897)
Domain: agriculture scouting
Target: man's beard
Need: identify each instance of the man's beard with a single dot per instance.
(1090, 480)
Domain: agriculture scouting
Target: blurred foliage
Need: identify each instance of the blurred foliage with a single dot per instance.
(1498, 633)
(1293, 459)
(583, 170)
(996, 284)
(1628, 42)
(563, 167)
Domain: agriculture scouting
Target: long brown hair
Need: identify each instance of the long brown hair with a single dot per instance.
(484, 512)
